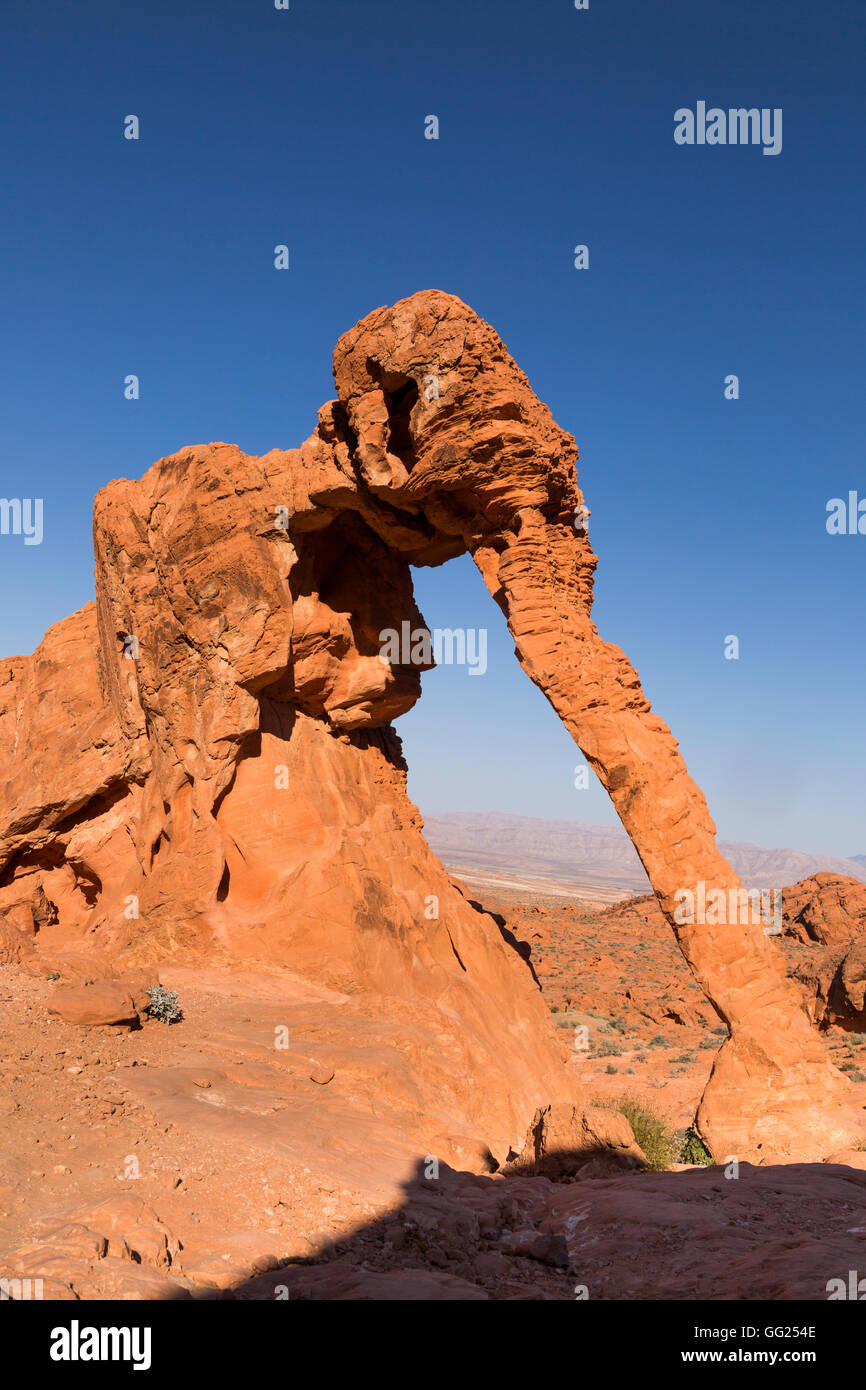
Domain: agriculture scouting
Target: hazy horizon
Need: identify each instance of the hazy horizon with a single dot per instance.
(616, 825)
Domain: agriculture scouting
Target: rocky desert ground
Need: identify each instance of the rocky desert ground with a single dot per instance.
(145, 1160)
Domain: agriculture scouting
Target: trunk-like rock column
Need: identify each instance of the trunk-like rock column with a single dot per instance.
(773, 1090)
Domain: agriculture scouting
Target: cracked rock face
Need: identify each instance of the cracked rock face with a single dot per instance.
(203, 761)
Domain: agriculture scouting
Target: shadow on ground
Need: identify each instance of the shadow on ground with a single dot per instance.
(767, 1233)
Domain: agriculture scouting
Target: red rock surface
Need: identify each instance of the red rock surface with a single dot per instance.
(835, 986)
(201, 766)
(827, 908)
(829, 911)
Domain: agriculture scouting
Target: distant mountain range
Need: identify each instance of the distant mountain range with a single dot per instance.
(579, 852)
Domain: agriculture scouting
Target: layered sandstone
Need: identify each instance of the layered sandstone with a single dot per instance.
(828, 912)
(204, 760)
(827, 909)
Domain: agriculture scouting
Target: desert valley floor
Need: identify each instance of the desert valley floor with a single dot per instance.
(195, 1161)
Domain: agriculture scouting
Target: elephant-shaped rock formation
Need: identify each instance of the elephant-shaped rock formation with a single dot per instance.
(203, 761)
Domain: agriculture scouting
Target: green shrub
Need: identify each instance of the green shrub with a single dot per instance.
(651, 1130)
(693, 1150)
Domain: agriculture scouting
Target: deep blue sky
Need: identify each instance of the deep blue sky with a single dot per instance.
(306, 127)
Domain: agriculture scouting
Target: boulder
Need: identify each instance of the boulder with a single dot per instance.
(834, 981)
(105, 1002)
(562, 1140)
(826, 909)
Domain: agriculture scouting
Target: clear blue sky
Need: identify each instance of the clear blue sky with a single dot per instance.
(306, 127)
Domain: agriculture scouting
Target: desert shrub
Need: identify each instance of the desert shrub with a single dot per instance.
(608, 1048)
(684, 1057)
(849, 1067)
(659, 1040)
(651, 1130)
(610, 1069)
(569, 1018)
(164, 1004)
(706, 1043)
(693, 1149)
(720, 1032)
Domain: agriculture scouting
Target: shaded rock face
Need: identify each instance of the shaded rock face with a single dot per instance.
(828, 911)
(203, 761)
(592, 1142)
(835, 987)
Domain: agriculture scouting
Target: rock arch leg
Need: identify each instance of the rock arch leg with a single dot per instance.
(773, 1091)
